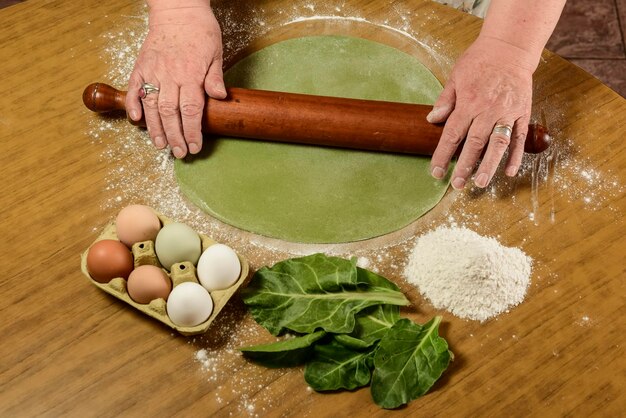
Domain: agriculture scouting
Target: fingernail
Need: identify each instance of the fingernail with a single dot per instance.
(433, 114)
(159, 142)
(458, 183)
(511, 171)
(438, 173)
(178, 152)
(194, 148)
(134, 115)
(220, 89)
(481, 180)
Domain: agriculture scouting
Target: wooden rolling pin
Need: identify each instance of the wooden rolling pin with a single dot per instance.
(317, 120)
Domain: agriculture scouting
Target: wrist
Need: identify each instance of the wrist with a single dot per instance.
(525, 26)
(168, 12)
(508, 52)
(173, 4)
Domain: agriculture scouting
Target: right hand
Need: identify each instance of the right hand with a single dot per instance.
(490, 85)
(182, 56)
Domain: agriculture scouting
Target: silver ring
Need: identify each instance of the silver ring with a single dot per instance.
(505, 130)
(149, 88)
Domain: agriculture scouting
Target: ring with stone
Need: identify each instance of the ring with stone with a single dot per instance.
(505, 130)
(148, 88)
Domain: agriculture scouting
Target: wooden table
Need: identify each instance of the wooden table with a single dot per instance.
(69, 349)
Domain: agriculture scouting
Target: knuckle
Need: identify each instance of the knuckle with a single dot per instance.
(500, 140)
(150, 102)
(167, 108)
(218, 55)
(475, 142)
(452, 136)
(520, 137)
(190, 109)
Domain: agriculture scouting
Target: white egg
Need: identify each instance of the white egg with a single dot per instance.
(189, 304)
(218, 267)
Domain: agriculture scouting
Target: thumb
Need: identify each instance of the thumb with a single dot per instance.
(133, 102)
(214, 81)
(444, 104)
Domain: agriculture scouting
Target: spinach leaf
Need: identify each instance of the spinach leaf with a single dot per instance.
(372, 324)
(308, 293)
(335, 366)
(369, 278)
(351, 342)
(409, 359)
(287, 353)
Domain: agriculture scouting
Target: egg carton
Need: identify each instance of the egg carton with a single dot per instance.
(144, 253)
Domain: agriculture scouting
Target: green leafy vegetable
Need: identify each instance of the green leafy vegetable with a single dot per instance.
(334, 366)
(369, 278)
(350, 342)
(362, 338)
(373, 323)
(308, 293)
(409, 360)
(287, 353)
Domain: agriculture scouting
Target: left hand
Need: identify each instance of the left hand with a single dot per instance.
(491, 84)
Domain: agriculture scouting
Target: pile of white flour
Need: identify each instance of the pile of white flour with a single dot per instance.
(471, 276)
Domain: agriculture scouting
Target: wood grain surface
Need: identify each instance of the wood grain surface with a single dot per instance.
(68, 349)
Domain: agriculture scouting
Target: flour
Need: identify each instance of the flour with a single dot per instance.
(469, 275)
(138, 173)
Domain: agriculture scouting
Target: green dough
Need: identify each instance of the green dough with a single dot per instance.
(312, 194)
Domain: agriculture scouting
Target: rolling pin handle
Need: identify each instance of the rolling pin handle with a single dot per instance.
(538, 139)
(102, 98)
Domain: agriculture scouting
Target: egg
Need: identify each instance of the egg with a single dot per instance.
(137, 223)
(108, 259)
(175, 243)
(218, 267)
(189, 304)
(147, 283)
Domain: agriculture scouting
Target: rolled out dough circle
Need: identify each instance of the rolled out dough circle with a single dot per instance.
(311, 194)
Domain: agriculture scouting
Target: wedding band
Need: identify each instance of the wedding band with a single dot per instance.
(148, 88)
(505, 130)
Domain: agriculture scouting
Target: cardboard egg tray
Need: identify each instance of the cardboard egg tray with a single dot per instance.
(143, 253)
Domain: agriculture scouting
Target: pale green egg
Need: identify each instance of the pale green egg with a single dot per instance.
(176, 243)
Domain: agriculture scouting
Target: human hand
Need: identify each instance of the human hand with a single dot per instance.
(182, 56)
(490, 85)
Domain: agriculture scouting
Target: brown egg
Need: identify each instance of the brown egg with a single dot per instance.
(108, 259)
(147, 283)
(136, 223)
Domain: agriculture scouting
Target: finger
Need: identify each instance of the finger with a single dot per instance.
(516, 149)
(214, 81)
(453, 134)
(191, 110)
(477, 138)
(150, 104)
(498, 144)
(169, 111)
(133, 102)
(444, 105)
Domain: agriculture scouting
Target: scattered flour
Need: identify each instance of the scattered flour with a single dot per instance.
(471, 276)
(138, 173)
